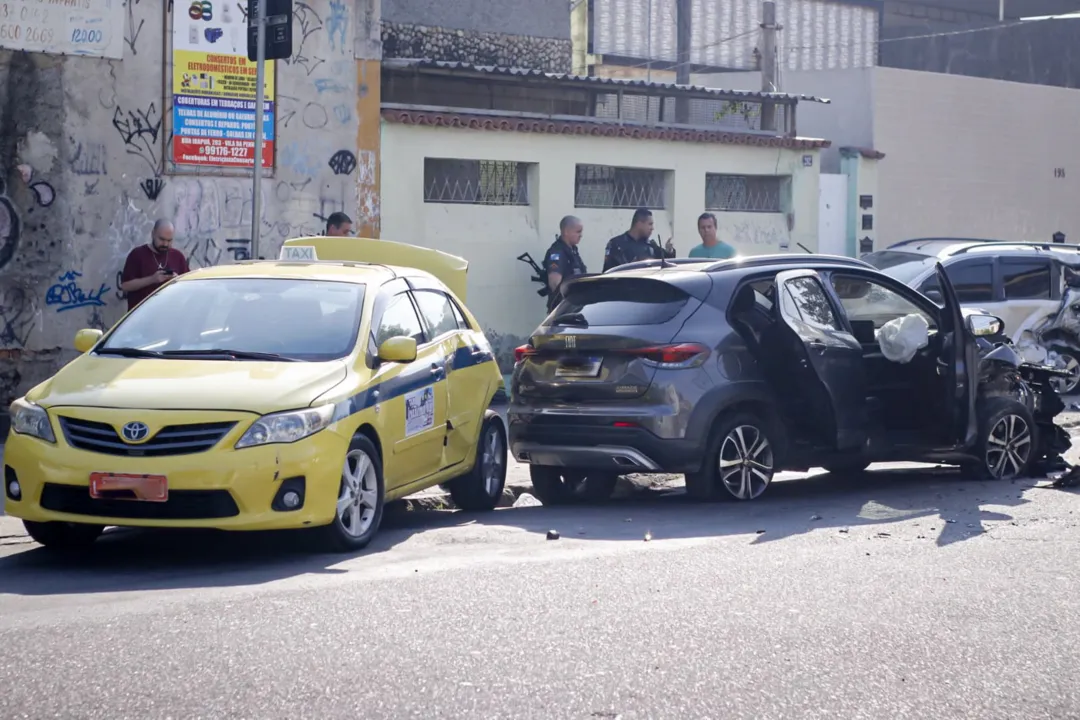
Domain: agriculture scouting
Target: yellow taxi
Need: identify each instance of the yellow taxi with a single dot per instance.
(303, 392)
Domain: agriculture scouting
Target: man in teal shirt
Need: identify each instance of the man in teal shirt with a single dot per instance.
(710, 246)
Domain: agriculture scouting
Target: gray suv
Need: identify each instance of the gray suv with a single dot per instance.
(729, 371)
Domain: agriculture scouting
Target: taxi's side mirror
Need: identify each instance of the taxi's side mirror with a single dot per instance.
(86, 339)
(398, 349)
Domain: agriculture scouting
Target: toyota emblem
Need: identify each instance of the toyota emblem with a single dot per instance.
(135, 432)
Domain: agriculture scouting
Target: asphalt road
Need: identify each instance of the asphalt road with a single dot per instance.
(905, 594)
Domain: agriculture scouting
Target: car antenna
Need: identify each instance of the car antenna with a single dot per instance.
(805, 248)
(663, 255)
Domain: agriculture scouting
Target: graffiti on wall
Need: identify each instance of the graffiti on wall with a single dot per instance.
(66, 227)
(10, 227)
(67, 293)
(343, 162)
(757, 235)
(18, 312)
(140, 130)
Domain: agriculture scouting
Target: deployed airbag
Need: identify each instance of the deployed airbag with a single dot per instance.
(901, 338)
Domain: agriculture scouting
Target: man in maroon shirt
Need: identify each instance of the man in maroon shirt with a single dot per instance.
(149, 266)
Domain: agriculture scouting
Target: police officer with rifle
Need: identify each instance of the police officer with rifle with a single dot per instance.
(562, 260)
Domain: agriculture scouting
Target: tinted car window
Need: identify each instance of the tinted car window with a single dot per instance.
(904, 266)
(399, 319)
(436, 311)
(1026, 279)
(311, 319)
(870, 301)
(973, 281)
(620, 301)
(805, 298)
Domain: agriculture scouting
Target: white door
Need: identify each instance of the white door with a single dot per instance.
(832, 214)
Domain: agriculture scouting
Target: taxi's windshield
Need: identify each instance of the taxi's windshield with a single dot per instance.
(243, 319)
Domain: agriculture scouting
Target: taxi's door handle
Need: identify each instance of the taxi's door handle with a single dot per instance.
(436, 369)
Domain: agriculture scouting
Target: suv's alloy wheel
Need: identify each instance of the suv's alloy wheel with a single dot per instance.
(740, 464)
(1008, 439)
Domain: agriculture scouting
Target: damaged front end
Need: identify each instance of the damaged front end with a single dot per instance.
(1006, 362)
(1054, 440)
(1055, 340)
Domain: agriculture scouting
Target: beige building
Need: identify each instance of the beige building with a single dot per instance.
(492, 184)
(964, 156)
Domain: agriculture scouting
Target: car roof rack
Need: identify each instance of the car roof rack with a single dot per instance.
(787, 259)
(710, 265)
(1004, 244)
(657, 263)
(956, 240)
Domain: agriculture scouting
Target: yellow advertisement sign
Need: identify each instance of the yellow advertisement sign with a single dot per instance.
(218, 76)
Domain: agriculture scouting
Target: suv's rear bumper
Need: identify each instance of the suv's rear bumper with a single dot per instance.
(625, 450)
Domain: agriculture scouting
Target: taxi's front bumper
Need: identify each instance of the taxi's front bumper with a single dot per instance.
(216, 487)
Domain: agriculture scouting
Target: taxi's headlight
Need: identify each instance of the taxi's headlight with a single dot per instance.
(286, 427)
(30, 419)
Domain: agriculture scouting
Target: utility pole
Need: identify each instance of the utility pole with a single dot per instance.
(682, 55)
(768, 62)
(260, 99)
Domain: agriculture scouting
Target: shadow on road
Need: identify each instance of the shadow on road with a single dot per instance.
(948, 508)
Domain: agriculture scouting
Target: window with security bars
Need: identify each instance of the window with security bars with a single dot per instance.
(476, 182)
(745, 193)
(604, 186)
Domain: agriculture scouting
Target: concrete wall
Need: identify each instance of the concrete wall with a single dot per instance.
(975, 157)
(539, 18)
(518, 33)
(1034, 52)
(965, 156)
(492, 237)
(847, 120)
(83, 143)
(818, 34)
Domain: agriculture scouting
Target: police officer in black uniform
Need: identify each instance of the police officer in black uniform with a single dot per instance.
(634, 245)
(562, 260)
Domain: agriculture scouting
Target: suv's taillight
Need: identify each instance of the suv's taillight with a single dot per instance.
(683, 355)
(522, 352)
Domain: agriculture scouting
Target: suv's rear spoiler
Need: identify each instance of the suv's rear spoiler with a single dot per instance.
(450, 269)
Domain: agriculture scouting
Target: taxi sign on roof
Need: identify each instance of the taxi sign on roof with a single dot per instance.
(298, 252)
(450, 269)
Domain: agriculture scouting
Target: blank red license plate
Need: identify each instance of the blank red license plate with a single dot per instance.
(114, 486)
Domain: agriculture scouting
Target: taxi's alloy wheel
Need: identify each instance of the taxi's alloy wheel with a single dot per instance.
(360, 500)
(63, 536)
(481, 488)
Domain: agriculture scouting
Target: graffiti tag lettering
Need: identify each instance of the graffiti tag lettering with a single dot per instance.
(9, 228)
(152, 187)
(139, 129)
(43, 193)
(239, 247)
(89, 159)
(67, 295)
(342, 162)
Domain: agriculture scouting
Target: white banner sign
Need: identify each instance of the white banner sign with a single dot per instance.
(64, 27)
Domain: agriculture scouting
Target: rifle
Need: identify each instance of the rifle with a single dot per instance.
(539, 277)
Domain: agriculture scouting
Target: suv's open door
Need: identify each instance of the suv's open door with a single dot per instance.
(958, 365)
(828, 360)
